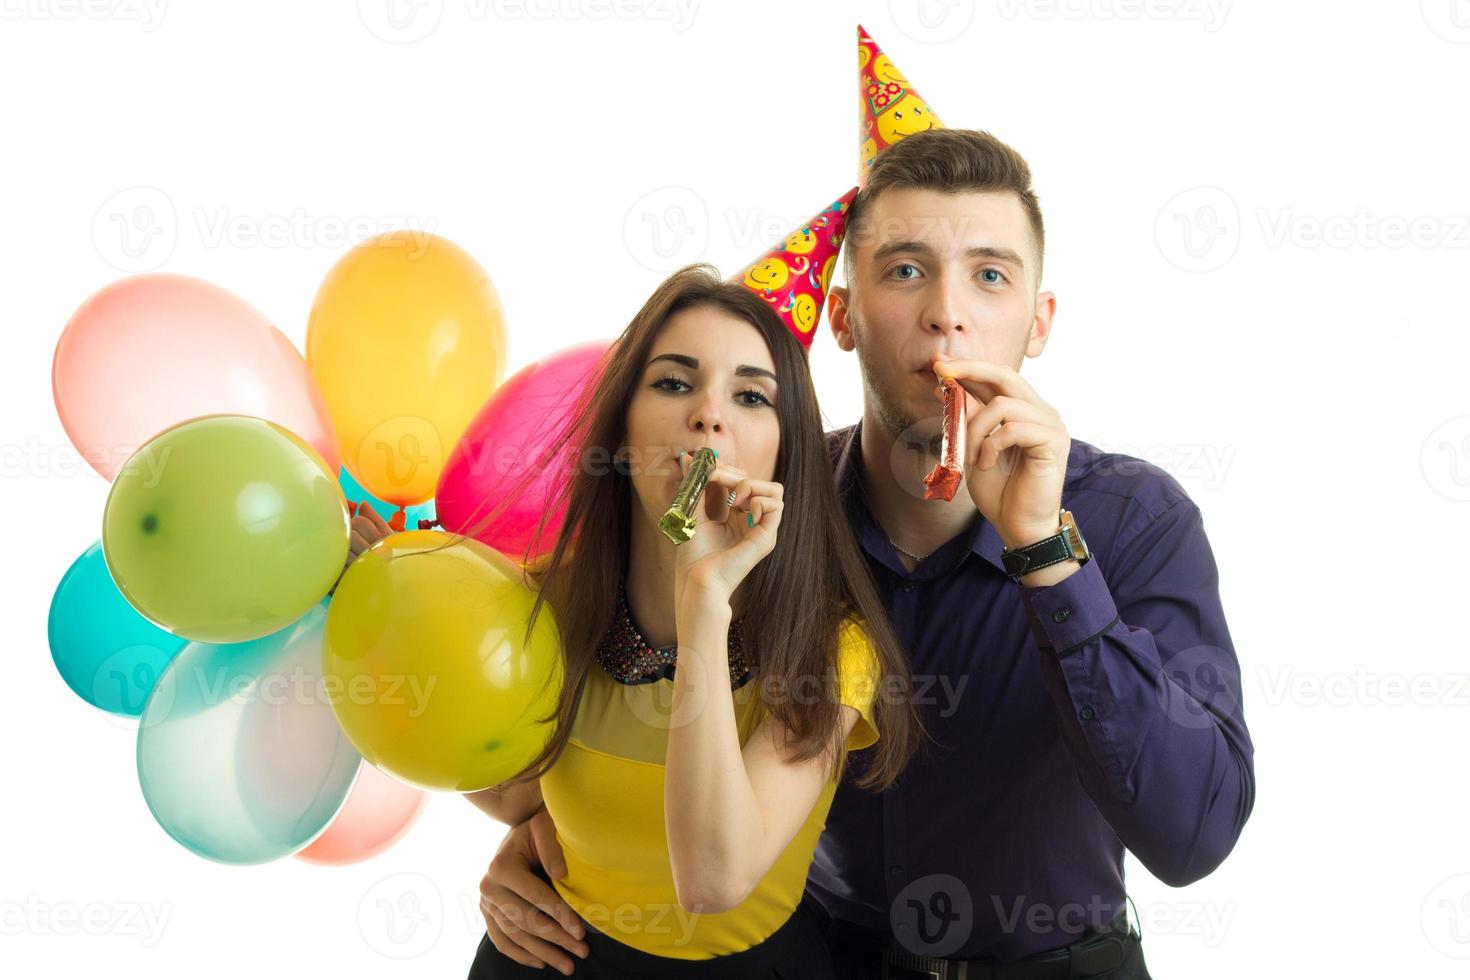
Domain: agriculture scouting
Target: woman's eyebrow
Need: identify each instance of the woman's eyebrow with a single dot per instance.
(744, 370)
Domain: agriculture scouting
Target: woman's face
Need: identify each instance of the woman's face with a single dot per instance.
(709, 381)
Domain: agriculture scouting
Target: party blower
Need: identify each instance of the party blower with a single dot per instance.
(678, 521)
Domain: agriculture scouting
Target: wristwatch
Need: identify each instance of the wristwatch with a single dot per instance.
(1062, 546)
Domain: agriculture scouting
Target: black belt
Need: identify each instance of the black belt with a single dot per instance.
(1087, 957)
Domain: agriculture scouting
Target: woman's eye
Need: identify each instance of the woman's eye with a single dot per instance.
(662, 382)
(760, 397)
(999, 277)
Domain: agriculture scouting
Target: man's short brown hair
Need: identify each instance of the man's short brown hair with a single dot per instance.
(951, 161)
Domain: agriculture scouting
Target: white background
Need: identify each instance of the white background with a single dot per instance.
(1259, 231)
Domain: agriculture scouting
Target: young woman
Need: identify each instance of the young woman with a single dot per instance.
(712, 688)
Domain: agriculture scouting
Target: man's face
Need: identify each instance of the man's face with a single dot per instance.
(938, 273)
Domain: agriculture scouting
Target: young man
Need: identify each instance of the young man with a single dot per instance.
(1083, 695)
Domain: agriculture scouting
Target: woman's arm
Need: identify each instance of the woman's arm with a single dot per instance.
(510, 804)
(728, 813)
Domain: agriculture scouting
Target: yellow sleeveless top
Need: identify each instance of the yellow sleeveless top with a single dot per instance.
(606, 796)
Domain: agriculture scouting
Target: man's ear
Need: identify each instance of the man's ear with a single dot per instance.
(1046, 308)
(837, 317)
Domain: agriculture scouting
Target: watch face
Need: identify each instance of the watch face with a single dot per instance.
(1074, 536)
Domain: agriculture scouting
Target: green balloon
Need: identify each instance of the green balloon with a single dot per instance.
(225, 528)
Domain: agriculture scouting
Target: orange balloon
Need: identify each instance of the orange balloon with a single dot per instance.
(406, 341)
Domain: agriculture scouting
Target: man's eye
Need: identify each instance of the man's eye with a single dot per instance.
(904, 272)
(999, 277)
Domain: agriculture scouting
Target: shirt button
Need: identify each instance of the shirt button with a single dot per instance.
(1088, 714)
(1060, 616)
(895, 870)
(908, 586)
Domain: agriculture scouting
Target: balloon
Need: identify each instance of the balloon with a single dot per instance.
(148, 352)
(239, 755)
(407, 340)
(411, 515)
(427, 632)
(378, 812)
(225, 528)
(509, 437)
(107, 653)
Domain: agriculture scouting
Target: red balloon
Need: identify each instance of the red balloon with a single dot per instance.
(509, 442)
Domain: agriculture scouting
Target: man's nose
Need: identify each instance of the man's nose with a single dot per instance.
(943, 314)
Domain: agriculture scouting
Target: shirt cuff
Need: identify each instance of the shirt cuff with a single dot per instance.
(1074, 611)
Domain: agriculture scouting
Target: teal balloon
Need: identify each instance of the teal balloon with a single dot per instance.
(108, 653)
(355, 492)
(240, 755)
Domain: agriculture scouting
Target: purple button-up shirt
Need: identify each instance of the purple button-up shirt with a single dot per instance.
(1069, 721)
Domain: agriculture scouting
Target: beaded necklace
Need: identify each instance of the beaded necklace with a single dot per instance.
(625, 655)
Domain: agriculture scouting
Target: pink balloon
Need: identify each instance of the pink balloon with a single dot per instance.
(510, 436)
(148, 352)
(379, 810)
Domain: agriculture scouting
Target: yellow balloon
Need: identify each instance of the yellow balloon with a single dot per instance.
(426, 663)
(407, 342)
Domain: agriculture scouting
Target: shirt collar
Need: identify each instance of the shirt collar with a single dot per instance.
(847, 464)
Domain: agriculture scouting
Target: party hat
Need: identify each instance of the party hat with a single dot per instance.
(890, 108)
(794, 275)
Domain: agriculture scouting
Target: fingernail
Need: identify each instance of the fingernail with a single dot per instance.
(750, 520)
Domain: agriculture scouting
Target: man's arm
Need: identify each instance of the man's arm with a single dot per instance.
(1148, 694)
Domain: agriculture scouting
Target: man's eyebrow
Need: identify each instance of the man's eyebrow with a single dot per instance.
(692, 363)
(924, 249)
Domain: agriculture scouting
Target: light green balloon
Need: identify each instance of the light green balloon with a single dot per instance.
(225, 528)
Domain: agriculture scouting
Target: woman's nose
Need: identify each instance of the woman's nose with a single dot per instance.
(707, 418)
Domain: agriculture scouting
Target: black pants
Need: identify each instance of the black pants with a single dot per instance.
(796, 951)
(857, 953)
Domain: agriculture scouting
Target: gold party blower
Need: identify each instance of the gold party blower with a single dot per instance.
(678, 521)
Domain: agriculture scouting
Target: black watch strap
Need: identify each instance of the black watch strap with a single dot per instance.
(1047, 551)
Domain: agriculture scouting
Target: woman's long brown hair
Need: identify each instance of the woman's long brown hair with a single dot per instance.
(793, 603)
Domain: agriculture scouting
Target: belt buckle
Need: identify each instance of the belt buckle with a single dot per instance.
(909, 965)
